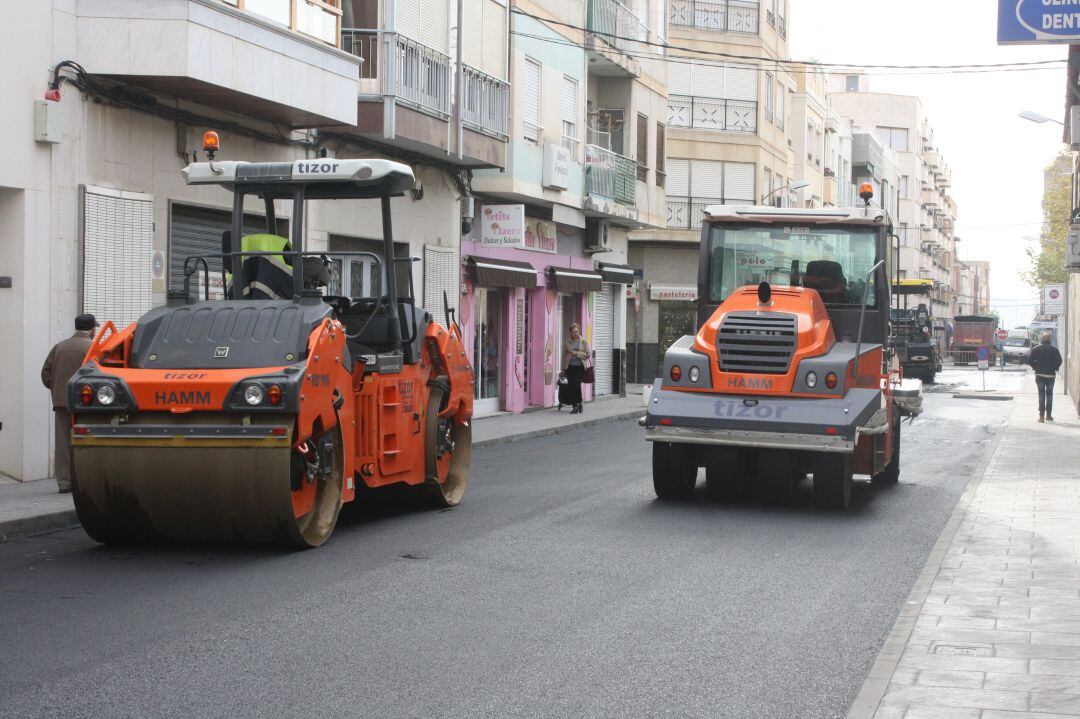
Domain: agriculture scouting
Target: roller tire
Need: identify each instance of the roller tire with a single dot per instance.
(891, 472)
(776, 477)
(728, 471)
(674, 471)
(446, 481)
(833, 480)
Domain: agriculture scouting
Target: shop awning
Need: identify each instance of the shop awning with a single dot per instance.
(502, 273)
(621, 274)
(566, 280)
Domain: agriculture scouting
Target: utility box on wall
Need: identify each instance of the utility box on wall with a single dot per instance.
(48, 121)
(1072, 249)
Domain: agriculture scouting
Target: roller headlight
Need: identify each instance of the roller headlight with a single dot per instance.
(811, 379)
(106, 394)
(695, 374)
(254, 394)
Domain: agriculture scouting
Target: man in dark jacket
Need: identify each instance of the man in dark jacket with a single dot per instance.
(1045, 360)
(64, 358)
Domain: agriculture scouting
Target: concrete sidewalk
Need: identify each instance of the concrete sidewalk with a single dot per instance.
(35, 507)
(991, 629)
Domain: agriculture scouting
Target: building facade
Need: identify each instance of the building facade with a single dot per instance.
(94, 215)
(727, 143)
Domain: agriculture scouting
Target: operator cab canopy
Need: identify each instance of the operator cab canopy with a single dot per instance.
(322, 178)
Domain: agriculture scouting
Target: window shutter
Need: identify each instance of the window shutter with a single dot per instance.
(472, 51)
(441, 275)
(660, 150)
(118, 243)
(679, 77)
(569, 100)
(642, 147)
(741, 83)
(707, 179)
(709, 80)
(530, 95)
(433, 25)
(678, 177)
(739, 182)
(494, 39)
(407, 19)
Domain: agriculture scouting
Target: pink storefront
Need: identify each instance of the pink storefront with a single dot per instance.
(519, 297)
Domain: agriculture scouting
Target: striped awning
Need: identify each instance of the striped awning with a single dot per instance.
(487, 272)
(620, 274)
(567, 280)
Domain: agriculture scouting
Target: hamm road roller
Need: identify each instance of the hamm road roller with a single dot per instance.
(790, 372)
(254, 418)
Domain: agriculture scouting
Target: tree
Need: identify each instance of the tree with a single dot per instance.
(1048, 260)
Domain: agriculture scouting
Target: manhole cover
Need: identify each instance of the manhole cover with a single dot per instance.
(950, 650)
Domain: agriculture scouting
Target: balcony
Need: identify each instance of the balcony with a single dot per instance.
(417, 83)
(705, 113)
(932, 159)
(280, 65)
(930, 199)
(610, 183)
(739, 16)
(686, 213)
(616, 37)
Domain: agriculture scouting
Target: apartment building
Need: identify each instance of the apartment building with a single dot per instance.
(585, 166)
(924, 212)
(727, 143)
(94, 215)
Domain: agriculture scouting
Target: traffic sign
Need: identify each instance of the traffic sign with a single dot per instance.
(1003, 334)
(983, 353)
(1054, 299)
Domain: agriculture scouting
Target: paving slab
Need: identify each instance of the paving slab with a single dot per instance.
(992, 628)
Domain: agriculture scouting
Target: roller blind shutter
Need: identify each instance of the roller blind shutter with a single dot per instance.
(530, 92)
(441, 274)
(433, 25)
(678, 177)
(604, 338)
(195, 231)
(494, 60)
(679, 77)
(708, 80)
(707, 179)
(473, 32)
(118, 243)
(407, 19)
(569, 100)
(741, 83)
(739, 182)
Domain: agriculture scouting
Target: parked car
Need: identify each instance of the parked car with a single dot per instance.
(1016, 350)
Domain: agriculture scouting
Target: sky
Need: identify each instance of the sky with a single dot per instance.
(997, 159)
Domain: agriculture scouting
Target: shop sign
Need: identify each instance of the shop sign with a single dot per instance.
(540, 235)
(672, 292)
(1054, 299)
(503, 226)
(556, 166)
(1037, 22)
(520, 335)
(757, 260)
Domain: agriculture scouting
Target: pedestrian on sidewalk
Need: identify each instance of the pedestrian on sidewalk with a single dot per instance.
(64, 358)
(1045, 360)
(575, 355)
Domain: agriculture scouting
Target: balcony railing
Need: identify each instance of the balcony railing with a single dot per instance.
(685, 213)
(618, 26)
(706, 113)
(485, 103)
(742, 16)
(412, 72)
(610, 175)
(318, 20)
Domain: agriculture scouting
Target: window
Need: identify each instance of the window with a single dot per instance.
(766, 183)
(895, 138)
(770, 12)
(660, 150)
(833, 261)
(642, 148)
(118, 241)
(780, 112)
(711, 96)
(530, 100)
(768, 97)
(693, 185)
(904, 188)
(851, 83)
(569, 115)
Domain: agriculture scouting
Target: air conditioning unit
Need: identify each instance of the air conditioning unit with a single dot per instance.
(599, 236)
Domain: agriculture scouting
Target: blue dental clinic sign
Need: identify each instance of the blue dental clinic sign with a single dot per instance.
(1034, 22)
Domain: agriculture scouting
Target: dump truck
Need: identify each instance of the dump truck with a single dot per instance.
(254, 419)
(970, 332)
(789, 373)
(911, 329)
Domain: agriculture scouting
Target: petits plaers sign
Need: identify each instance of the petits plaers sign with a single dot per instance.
(1038, 21)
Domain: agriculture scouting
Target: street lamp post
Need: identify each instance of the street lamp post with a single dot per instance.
(796, 185)
(1037, 117)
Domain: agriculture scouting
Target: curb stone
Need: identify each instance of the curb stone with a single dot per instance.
(881, 672)
(550, 431)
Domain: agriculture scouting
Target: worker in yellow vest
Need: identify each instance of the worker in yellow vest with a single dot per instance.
(264, 277)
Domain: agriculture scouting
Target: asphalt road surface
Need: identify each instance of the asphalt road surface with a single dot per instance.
(559, 588)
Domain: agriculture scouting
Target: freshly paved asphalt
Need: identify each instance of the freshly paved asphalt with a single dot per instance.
(559, 588)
